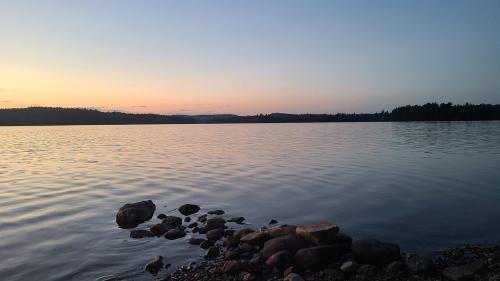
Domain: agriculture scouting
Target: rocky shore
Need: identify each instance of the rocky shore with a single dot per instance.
(317, 251)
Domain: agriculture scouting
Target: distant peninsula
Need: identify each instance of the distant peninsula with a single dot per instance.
(39, 116)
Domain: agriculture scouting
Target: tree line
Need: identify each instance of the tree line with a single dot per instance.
(78, 116)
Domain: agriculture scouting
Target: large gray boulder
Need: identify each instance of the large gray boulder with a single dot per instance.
(318, 233)
(131, 215)
(374, 252)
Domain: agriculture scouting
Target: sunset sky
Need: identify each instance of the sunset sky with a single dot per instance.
(248, 57)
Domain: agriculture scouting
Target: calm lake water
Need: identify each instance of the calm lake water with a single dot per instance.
(425, 186)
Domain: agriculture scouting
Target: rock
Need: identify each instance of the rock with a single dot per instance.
(334, 274)
(367, 270)
(245, 247)
(395, 267)
(140, 233)
(161, 216)
(193, 225)
(131, 215)
(273, 221)
(317, 256)
(419, 265)
(212, 253)
(196, 241)
(231, 266)
(229, 232)
(349, 268)
(341, 238)
(289, 270)
(172, 221)
(215, 234)
(174, 234)
(256, 238)
(374, 252)
(160, 229)
(232, 241)
(319, 233)
(231, 255)
(280, 260)
(246, 276)
(458, 273)
(281, 230)
(154, 265)
(202, 230)
(206, 244)
(187, 219)
(202, 218)
(216, 212)
(237, 220)
(242, 232)
(189, 209)
(214, 223)
(477, 266)
(290, 243)
(293, 277)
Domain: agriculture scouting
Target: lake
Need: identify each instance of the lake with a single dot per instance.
(426, 186)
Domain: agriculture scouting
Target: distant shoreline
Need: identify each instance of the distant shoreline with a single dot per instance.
(51, 116)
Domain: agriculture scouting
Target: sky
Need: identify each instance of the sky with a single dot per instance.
(248, 57)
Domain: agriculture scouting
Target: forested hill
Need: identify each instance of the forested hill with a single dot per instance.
(76, 116)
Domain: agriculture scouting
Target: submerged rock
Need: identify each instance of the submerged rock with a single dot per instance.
(131, 215)
(239, 220)
(214, 223)
(216, 212)
(141, 233)
(189, 209)
(160, 229)
(374, 252)
(172, 221)
(154, 265)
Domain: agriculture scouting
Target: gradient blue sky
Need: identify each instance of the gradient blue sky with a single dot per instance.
(248, 57)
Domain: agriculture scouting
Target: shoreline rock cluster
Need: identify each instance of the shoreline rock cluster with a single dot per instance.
(316, 251)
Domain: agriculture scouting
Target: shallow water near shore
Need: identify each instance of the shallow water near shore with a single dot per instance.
(426, 186)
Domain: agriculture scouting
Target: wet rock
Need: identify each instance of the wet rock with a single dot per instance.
(374, 252)
(273, 221)
(202, 218)
(231, 266)
(245, 247)
(232, 241)
(161, 216)
(214, 223)
(131, 215)
(317, 256)
(215, 234)
(458, 273)
(160, 229)
(172, 221)
(256, 238)
(196, 241)
(212, 253)
(202, 230)
(419, 265)
(280, 260)
(367, 270)
(216, 212)
(319, 233)
(239, 220)
(154, 265)
(395, 267)
(293, 277)
(174, 234)
(193, 225)
(349, 268)
(206, 244)
(290, 243)
(189, 209)
(281, 230)
(229, 232)
(140, 233)
(187, 219)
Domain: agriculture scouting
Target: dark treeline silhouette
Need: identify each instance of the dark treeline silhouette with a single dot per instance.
(75, 116)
